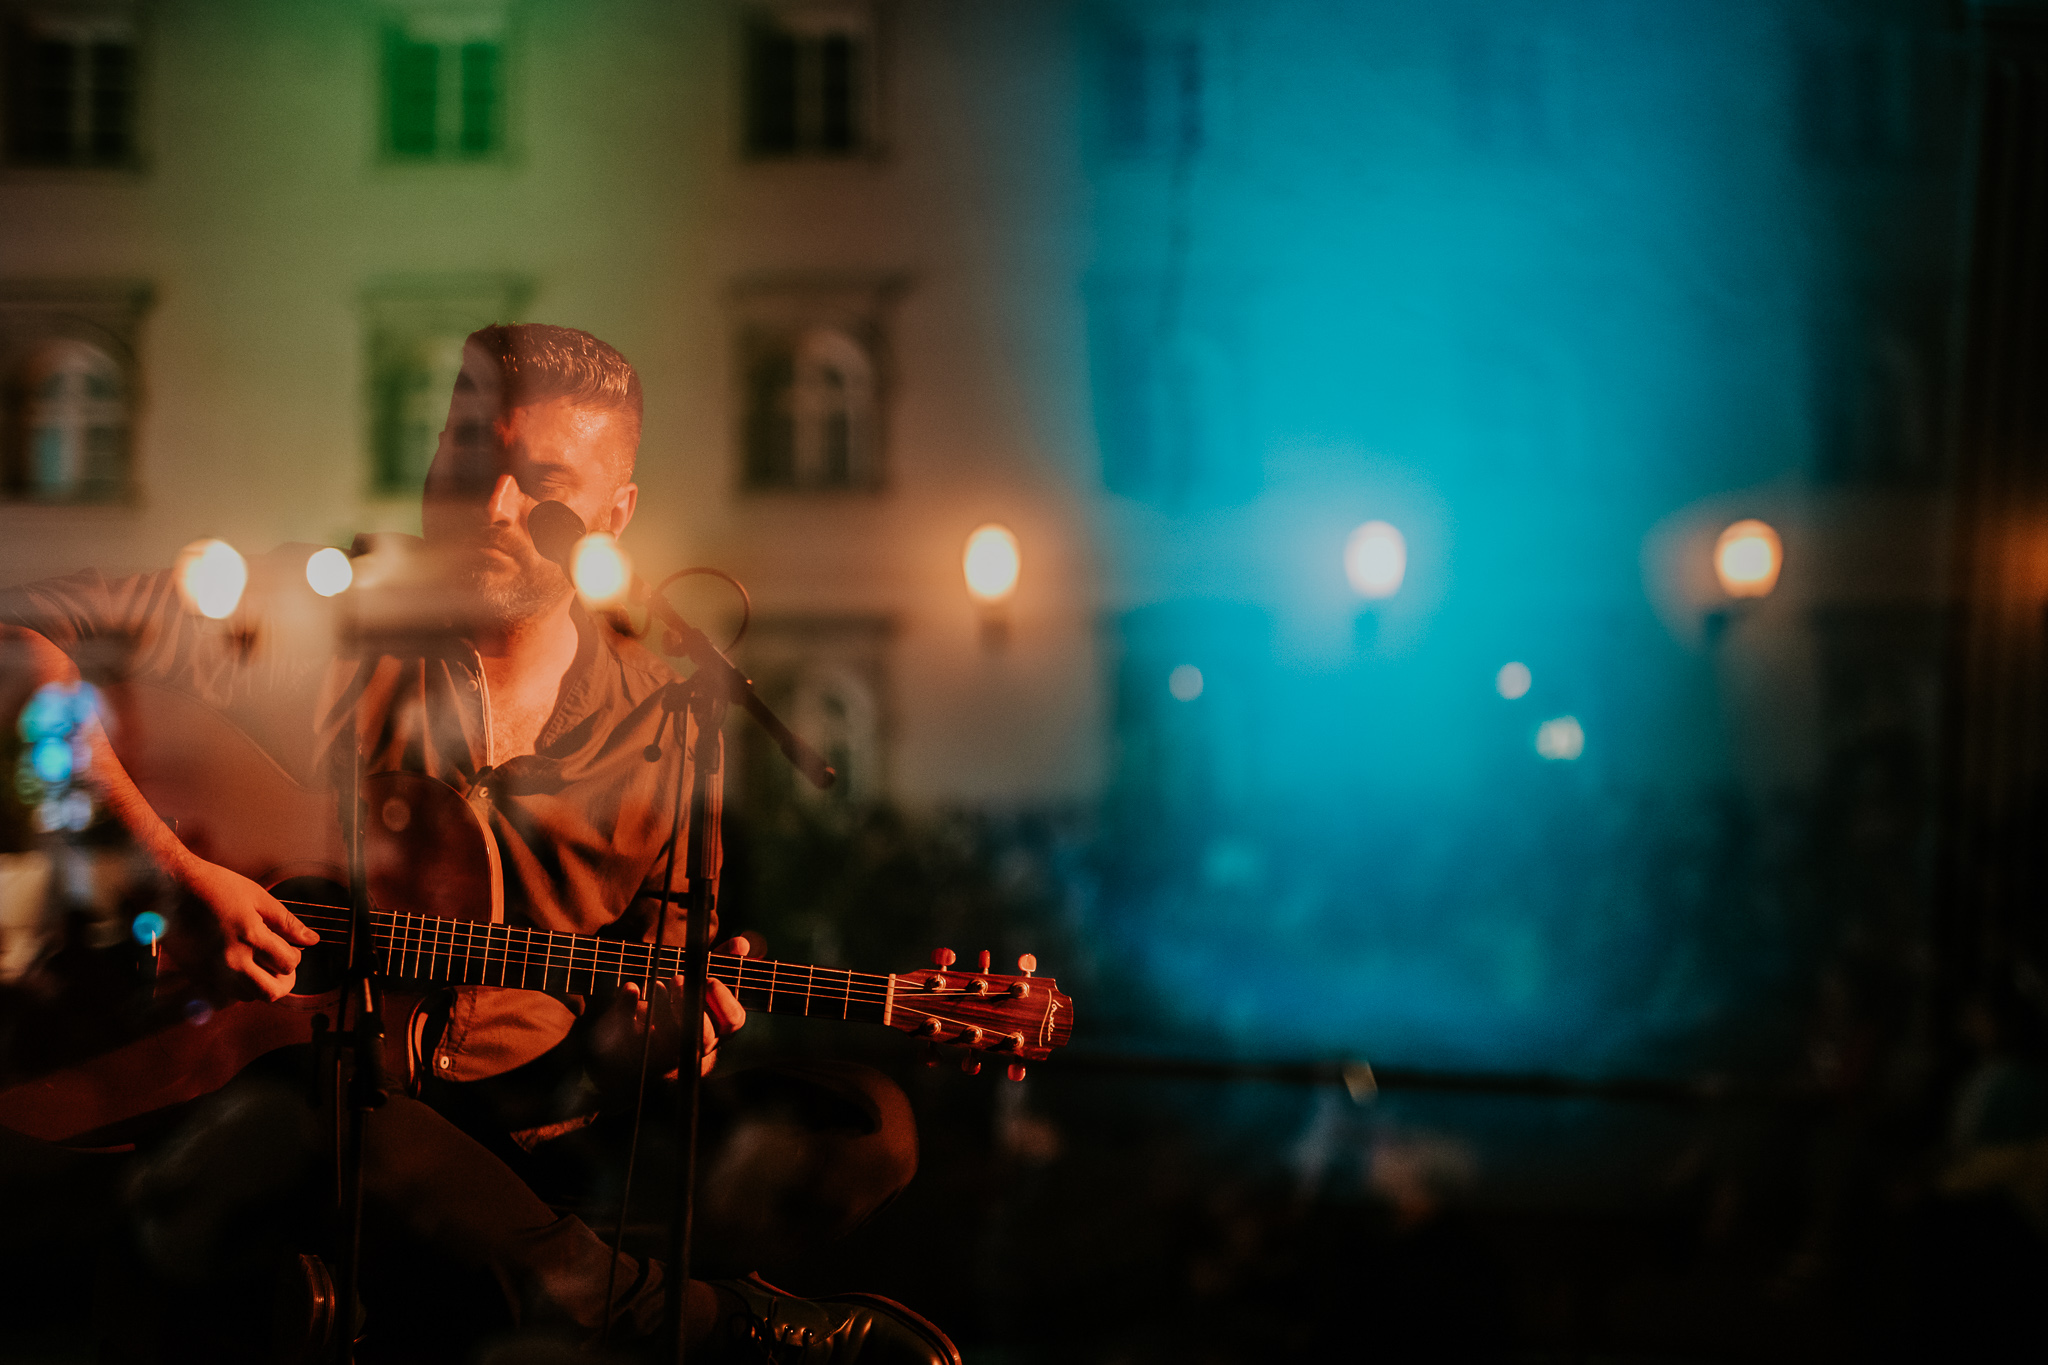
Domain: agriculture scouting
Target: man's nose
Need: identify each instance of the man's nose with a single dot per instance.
(507, 505)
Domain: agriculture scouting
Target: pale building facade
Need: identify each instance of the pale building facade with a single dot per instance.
(239, 244)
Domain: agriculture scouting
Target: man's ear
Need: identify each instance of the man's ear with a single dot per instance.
(623, 503)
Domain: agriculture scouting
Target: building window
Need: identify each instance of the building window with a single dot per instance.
(809, 81)
(811, 413)
(1166, 354)
(73, 445)
(1153, 93)
(828, 677)
(70, 91)
(68, 380)
(416, 327)
(444, 85)
(811, 384)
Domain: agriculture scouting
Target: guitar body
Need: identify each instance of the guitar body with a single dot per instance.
(229, 802)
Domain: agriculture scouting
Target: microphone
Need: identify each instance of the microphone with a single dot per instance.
(555, 529)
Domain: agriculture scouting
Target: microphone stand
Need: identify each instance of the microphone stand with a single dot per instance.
(359, 1015)
(715, 686)
(364, 1042)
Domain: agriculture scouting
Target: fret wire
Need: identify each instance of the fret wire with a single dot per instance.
(408, 940)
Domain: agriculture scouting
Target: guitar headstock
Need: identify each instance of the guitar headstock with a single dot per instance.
(1018, 1019)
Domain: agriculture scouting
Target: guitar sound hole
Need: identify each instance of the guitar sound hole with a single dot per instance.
(321, 905)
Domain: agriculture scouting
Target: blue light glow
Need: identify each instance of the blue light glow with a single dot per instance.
(52, 760)
(1523, 283)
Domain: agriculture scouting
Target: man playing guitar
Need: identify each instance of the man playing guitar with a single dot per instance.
(538, 717)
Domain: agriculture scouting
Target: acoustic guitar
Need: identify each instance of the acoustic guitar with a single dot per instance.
(437, 897)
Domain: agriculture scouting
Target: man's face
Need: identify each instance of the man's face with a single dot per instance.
(495, 465)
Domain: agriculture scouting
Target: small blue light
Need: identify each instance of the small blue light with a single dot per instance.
(148, 927)
(48, 713)
(52, 759)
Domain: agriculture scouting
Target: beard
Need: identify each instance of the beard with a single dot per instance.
(504, 589)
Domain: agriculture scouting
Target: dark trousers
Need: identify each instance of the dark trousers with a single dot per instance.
(468, 1235)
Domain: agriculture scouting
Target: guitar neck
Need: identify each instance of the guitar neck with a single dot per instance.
(415, 947)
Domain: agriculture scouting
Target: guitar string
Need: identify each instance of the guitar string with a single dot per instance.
(908, 1002)
(579, 957)
(600, 959)
(592, 959)
(911, 1005)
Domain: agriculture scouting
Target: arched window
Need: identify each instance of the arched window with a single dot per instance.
(416, 378)
(71, 441)
(835, 709)
(832, 405)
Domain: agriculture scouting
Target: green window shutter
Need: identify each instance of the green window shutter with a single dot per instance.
(412, 76)
(480, 98)
(111, 137)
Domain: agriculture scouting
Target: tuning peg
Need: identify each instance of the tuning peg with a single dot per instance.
(971, 1064)
(1028, 963)
(982, 962)
(1015, 1071)
(942, 957)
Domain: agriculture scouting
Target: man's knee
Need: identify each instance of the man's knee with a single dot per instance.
(861, 1116)
(805, 1152)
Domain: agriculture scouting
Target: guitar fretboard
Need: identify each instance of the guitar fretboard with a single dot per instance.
(416, 947)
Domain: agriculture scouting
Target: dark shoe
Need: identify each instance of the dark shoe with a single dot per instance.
(773, 1327)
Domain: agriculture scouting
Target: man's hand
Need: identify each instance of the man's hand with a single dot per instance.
(233, 937)
(616, 1037)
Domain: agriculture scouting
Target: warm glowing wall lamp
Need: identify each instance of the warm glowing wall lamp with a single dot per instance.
(601, 570)
(328, 572)
(211, 577)
(1747, 558)
(991, 563)
(1376, 559)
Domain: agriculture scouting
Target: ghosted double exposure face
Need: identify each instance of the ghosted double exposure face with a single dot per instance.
(495, 463)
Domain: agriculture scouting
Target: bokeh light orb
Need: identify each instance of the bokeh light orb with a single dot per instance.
(1376, 559)
(1512, 681)
(1561, 739)
(602, 572)
(991, 563)
(1747, 558)
(1185, 682)
(329, 573)
(211, 577)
